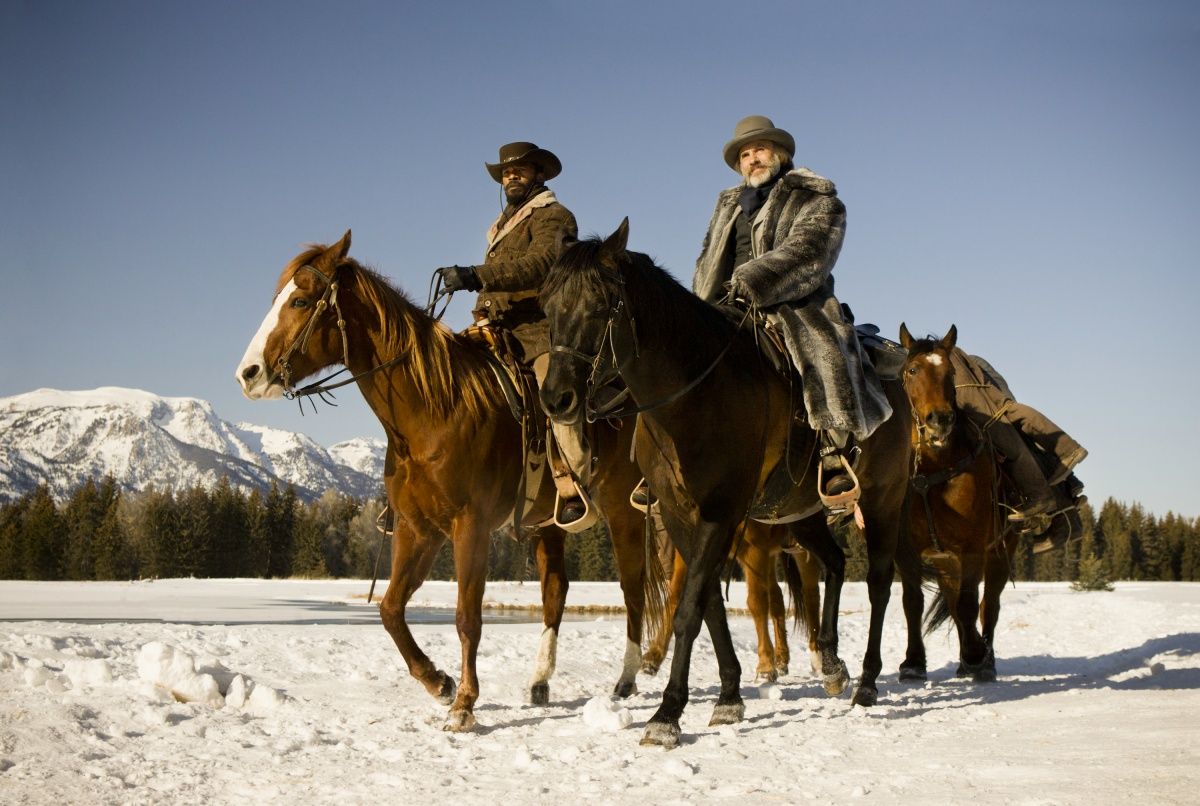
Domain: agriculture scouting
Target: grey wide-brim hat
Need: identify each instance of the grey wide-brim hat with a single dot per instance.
(546, 162)
(756, 127)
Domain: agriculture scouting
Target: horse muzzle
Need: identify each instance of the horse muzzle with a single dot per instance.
(257, 383)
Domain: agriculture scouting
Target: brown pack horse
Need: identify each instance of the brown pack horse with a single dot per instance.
(954, 517)
(759, 550)
(716, 423)
(454, 456)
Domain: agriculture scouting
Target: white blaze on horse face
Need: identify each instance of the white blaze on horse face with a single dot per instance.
(260, 386)
(934, 359)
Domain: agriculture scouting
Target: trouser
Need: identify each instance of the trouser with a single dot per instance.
(1026, 473)
(1043, 431)
(572, 444)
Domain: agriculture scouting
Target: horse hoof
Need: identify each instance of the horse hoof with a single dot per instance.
(661, 734)
(728, 714)
(912, 674)
(985, 675)
(961, 671)
(781, 670)
(625, 688)
(768, 676)
(539, 694)
(459, 720)
(446, 693)
(650, 667)
(835, 682)
(866, 697)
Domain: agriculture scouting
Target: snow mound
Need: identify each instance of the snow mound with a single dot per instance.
(88, 673)
(175, 670)
(603, 714)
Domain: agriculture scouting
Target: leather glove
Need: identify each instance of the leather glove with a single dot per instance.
(459, 278)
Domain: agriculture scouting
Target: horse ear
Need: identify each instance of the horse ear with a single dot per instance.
(618, 241)
(951, 337)
(342, 247)
(906, 339)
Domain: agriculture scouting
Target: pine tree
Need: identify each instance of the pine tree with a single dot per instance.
(1093, 576)
(82, 513)
(279, 525)
(12, 538)
(114, 558)
(1115, 540)
(44, 542)
(229, 531)
(258, 540)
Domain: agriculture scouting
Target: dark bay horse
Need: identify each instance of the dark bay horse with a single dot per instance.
(454, 456)
(714, 426)
(955, 521)
(759, 550)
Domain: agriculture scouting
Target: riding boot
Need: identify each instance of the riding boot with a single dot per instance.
(836, 483)
(1038, 497)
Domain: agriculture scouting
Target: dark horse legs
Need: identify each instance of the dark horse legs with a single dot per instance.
(704, 551)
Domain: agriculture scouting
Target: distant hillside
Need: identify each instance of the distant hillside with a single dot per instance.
(63, 438)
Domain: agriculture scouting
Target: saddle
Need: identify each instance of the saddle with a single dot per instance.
(519, 384)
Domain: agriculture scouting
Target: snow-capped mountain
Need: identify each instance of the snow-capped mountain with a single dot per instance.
(63, 438)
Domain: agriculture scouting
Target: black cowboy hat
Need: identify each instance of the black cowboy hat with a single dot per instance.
(511, 153)
(756, 127)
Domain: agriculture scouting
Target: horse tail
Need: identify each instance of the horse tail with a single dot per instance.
(654, 580)
(795, 585)
(937, 614)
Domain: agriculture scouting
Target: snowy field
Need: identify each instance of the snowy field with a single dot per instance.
(302, 697)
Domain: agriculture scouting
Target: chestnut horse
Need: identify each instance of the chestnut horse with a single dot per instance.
(758, 550)
(454, 457)
(715, 423)
(955, 520)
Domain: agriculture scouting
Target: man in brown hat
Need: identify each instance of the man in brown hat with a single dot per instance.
(522, 245)
(772, 243)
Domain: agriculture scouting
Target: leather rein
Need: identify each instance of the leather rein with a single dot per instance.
(599, 377)
(328, 300)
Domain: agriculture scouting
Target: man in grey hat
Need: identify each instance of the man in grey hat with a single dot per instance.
(772, 243)
(523, 242)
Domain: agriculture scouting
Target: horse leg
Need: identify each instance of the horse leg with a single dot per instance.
(972, 649)
(552, 571)
(412, 557)
(995, 577)
(470, 560)
(881, 536)
(908, 564)
(657, 649)
(729, 708)
(778, 613)
(813, 534)
(803, 574)
(757, 565)
(704, 554)
(629, 550)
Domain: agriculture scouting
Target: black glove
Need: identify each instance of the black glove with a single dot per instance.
(459, 278)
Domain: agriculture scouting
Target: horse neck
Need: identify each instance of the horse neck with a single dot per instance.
(392, 392)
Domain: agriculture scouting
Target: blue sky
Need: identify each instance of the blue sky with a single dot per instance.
(1025, 170)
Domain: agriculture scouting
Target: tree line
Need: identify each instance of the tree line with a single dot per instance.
(103, 533)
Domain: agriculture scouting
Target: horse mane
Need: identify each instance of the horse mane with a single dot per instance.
(448, 372)
(925, 345)
(679, 318)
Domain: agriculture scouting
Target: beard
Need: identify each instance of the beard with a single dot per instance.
(758, 174)
(516, 191)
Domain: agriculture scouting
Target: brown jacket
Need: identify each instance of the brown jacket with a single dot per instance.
(521, 249)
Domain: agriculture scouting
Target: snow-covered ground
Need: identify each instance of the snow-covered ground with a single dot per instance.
(302, 697)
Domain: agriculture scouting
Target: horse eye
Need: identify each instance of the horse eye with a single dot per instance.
(912, 370)
(299, 302)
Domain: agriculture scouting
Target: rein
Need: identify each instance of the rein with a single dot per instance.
(617, 408)
(922, 483)
(322, 387)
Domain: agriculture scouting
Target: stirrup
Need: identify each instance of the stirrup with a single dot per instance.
(650, 499)
(585, 521)
(841, 503)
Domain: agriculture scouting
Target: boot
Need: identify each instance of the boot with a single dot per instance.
(1039, 498)
(836, 483)
(572, 509)
(1064, 469)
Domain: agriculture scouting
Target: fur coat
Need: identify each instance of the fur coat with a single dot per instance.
(797, 235)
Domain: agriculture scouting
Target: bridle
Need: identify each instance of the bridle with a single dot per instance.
(599, 376)
(322, 387)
